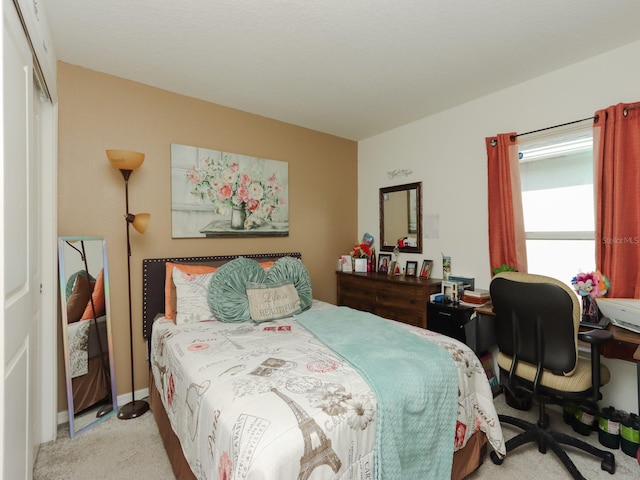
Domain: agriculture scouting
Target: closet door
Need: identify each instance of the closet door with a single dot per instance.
(20, 235)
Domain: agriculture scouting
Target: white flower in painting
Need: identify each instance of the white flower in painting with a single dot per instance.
(256, 191)
(229, 176)
(360, 412)
(264, 210)
(215, 183)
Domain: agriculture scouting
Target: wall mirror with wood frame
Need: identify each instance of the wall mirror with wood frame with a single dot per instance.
(86, 331)
(401, 217)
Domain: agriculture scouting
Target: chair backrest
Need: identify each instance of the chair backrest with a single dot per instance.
(535, 311)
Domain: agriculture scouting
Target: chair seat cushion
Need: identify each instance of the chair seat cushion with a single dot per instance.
(578, 381)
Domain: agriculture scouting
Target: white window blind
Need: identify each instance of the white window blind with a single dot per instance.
(556, 172)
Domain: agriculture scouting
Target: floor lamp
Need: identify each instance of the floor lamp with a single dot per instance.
(127, 162)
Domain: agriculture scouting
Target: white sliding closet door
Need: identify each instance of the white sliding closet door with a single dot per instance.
(20, 321)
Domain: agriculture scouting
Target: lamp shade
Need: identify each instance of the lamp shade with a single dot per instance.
(141, 221)
(124, 159)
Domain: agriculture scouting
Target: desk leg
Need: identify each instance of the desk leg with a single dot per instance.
(636, 357)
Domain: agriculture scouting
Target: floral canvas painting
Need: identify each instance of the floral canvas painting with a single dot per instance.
(223, 194)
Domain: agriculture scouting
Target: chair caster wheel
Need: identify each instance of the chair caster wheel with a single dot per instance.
(498, 461)
(609, 463)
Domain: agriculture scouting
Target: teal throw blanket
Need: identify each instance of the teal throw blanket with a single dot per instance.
(416, 385)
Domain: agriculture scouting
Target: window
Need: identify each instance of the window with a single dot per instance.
(556, 173)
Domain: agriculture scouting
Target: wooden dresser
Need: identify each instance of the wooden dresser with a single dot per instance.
(395, 297)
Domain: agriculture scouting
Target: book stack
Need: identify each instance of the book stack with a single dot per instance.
(476, 297)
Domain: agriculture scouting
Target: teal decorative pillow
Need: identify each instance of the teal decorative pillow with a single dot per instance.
(228, 289)
(271, 301)
(293, 270)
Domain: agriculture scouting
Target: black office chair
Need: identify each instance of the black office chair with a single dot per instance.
(537, 321)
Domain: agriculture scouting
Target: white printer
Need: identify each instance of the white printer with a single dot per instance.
(623, 312)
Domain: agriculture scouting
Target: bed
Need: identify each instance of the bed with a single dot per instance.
(270, 400)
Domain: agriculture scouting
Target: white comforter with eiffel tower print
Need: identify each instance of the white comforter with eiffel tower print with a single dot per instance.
(271, 402)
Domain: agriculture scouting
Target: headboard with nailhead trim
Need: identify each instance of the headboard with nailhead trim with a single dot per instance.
(153, 280)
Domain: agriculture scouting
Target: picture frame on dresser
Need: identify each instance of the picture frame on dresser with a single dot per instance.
(427, 267)
(411, 268)
(384, 262)
(346, 263)
(450, 290)
(393, 268)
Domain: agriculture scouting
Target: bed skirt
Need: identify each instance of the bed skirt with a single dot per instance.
(465, 460)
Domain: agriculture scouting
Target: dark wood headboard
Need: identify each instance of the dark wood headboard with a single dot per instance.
(153, 280)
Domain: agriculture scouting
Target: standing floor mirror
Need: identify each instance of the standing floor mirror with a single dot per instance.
(86, 331)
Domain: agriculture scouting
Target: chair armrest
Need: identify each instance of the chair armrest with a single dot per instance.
(595, 336)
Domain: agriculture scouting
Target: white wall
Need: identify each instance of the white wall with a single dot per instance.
(447, 153)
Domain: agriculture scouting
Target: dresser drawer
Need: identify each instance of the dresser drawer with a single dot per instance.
(353, 289)
(408, 296)
(409, 316)
(402, 302)
(397, 298)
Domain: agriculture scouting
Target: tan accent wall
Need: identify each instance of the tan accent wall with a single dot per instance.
(98, 112)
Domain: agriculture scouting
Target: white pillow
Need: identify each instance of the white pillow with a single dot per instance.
(192, 292)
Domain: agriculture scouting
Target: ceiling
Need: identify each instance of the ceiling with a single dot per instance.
(351, 68)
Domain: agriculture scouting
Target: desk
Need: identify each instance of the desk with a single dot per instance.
(625, 344)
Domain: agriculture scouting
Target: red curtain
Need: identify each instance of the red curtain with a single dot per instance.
(506, 220)
(616, 139)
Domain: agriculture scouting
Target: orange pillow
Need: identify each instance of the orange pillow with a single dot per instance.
(170, 304)
(98, 299)
(267, 265)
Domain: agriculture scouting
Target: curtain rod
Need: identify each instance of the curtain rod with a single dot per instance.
(595, 118)
(629, 109)
(513, 137)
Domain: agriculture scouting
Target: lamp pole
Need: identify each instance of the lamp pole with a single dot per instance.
(134, 408)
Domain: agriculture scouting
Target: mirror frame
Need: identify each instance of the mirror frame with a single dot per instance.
(399, 188)
(82, 421)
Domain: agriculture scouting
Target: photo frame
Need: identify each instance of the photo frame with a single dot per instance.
(392, 268)
(468, 283)
(360, 265)
(450, 290)
(346, 263)
(384, 262)
(426, 269)
(411, 268)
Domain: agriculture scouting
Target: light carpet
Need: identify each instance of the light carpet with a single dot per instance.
(132, 449)
(112, 450)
